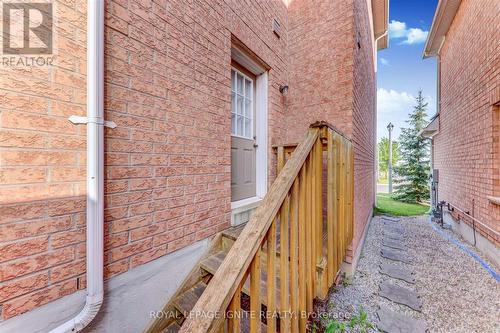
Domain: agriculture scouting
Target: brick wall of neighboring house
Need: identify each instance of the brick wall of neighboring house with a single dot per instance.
(167, 87)
(464, 148)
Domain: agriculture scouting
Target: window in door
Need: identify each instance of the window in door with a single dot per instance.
(241, 105)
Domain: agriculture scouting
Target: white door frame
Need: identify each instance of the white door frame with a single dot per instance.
(240, 210)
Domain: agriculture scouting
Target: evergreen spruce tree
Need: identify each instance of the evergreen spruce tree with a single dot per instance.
(412, 183)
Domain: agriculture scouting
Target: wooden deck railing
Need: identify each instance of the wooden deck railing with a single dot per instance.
(289, 237)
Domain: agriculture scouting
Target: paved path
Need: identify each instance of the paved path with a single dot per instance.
(395, 251)
(436, 287)
(382, 188)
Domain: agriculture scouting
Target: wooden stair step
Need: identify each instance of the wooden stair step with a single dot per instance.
(263, 289)
(187, 300)
(233, 232)
(172, 328)
(212, 263)
(245, 324)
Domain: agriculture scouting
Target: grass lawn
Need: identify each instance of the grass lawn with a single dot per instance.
(386, 205)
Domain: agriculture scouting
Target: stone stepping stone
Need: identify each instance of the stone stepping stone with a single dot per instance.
(394, 240)
(394, 255)
(396, 272)
(395, 233)
(393, 322)
(395, 244)
(394, 223)
(393, 236)
(400, 295)
(390, 218)
(393, 228)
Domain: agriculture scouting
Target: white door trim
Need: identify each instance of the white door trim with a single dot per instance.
(261, 133)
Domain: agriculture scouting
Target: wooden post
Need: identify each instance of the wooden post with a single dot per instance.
(271, 278)
(338, 203)
(319, 201)
(294, 283)
(255, 294)
(284, 269)
(321, 260)
(281, 159)
(302, 250)
(309, 234)
(235, 308)
(343, 201)
(330, 206)
(348, 196)
(313, 217)
(352, 194)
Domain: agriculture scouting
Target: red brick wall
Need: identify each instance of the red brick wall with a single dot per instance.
(364, 120)
(464, 148)
(42, 171)
(332, 79)
(321, 65)
(167, 87)
(496, 152)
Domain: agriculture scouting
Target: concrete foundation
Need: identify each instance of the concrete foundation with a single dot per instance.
(128, 300)
(490, 250)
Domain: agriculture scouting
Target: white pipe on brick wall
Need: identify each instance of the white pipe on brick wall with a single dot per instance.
(95, 169)
(375, 49)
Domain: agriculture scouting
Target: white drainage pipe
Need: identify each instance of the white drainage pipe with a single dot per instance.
(95, 168)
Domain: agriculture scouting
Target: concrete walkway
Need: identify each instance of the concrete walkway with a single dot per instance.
(411, 279)
(382, 188)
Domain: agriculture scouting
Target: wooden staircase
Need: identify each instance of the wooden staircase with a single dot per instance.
(289, 253)
(174, 313)
(195, 284)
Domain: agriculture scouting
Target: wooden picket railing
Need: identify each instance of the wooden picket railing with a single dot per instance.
(290, 250)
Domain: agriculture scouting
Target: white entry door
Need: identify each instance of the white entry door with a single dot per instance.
(249, 143)
(243, 136)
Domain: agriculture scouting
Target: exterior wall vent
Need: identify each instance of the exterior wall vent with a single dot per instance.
(277, 28)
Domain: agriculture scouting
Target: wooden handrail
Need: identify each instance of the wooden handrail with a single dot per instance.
(306, 267)
(219, 292)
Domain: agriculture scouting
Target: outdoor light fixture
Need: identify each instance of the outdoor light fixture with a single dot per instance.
(284, 90)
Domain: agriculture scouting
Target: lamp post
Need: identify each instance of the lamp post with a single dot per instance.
(390, 127)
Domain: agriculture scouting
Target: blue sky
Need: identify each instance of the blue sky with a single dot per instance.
(401, 69)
